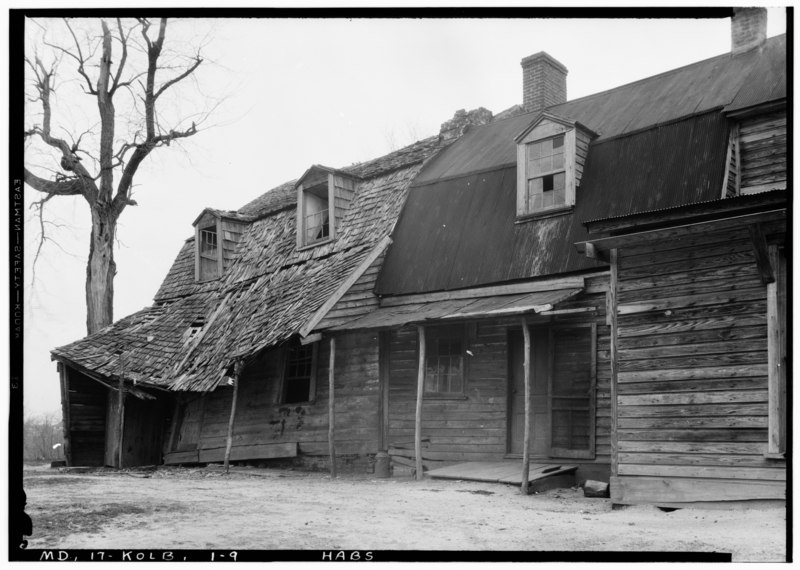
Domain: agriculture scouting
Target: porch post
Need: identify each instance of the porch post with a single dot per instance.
(121, 409)
(332, 410)
(526, 457)
(420, 390)
(237, 370)
(612, 317)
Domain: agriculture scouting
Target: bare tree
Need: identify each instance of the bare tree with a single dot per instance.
(126, 60)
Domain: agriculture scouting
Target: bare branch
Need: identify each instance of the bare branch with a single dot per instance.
(180, 77)
(63, 187)
(39, 205)
(80, 59)
(124, 41)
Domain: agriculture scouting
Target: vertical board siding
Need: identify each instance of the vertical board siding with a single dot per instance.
(476, 427)
(87, 413)
(261, 419)
(692, 351)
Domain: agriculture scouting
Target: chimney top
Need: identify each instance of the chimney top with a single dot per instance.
(544, 82)
(748, 29)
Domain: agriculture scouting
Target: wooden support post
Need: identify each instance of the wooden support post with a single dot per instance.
(526, 439)
(612, 319)
(332, 410)
(237, 370)
(420, 391)
(121, 411)
(65, 423)
(776, 351)
(383, 404)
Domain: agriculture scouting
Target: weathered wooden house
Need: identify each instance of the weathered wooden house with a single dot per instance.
(602, 279)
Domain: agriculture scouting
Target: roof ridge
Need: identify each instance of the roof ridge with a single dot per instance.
(664, 73)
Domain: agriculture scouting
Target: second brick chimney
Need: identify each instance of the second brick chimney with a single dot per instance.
(748, 28)
(544, 82)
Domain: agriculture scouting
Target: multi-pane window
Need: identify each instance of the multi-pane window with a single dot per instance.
(546, 176)
(444, 362)
(208, 242)
(298, 376)
(208, 254)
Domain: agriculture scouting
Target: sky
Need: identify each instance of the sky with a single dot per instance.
(282, 95)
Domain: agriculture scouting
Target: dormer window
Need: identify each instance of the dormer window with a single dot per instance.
(316, 222)
(216, 234)
(323, 196)
(550, 157)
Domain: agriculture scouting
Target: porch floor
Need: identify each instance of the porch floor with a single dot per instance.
(509, 472)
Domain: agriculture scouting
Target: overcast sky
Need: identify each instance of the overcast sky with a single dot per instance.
(300, 92)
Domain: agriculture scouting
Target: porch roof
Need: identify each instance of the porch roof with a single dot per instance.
(473, 308)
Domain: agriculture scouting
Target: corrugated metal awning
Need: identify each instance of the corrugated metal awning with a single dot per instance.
(474, 308)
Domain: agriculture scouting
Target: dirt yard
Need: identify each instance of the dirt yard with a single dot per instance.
(270, 509)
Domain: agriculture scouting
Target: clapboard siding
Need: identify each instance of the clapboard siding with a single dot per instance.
(692, 393)
(762, 140)
(476, 426)
(261, 419)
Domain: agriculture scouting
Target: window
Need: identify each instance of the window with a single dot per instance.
(573, 369)
(208, 253)
(316, 212)
(546, 175)
(551, 154)
(299, 373)
(444, 361)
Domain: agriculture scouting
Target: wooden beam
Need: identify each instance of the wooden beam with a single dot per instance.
(316, 337)
(332, 409)
(383, 378)
(65, 420)
(237, 371)
(639, 238)
(612, 316)
(761, 253)
(420, 391)
(526, 457)
(776, 311)
(593, 253)
(345, 286)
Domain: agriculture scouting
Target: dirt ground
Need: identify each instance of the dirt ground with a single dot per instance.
(271, 509)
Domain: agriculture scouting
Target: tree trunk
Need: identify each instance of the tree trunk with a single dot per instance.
(100, 271)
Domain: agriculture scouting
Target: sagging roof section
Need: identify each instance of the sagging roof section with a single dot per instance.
(461, 232)
(188, 339)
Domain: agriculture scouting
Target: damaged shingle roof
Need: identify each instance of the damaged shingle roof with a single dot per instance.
(188, 339)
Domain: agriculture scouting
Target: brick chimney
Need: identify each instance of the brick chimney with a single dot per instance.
(544, 82)
(748, 28)
(462, 120)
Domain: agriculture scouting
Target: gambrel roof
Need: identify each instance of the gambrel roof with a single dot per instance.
(662, 142)
(189, 337)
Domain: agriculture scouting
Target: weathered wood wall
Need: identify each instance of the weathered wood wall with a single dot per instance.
(476, 427)
(87, 414)
(692, 380)
(762, 140)
(359, 300)
(266, 428)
